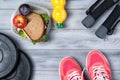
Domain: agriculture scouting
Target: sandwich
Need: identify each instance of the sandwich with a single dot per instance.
(35, 28)
(31, 24)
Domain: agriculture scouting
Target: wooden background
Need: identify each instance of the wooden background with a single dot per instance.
(74, 40)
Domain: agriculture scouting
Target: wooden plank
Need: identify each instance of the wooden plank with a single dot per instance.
(50, 59)
(72, 39)
(45, 75)
(71, 4)
(54, 75)
(73, 21)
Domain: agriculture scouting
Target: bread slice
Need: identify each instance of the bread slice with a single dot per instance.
(35, 28)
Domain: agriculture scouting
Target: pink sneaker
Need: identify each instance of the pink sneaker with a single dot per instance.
(70, 69)
(98, 66)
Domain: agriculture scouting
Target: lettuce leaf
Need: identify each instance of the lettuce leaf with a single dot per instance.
(22, 34)
(44, 38)
(34, 42)
(45, 16)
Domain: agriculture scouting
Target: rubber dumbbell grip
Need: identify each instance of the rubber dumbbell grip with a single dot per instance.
(92, 7)
(97, 12)
(112, 19)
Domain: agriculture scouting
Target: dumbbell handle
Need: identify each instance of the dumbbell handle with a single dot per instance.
(112, 20)
(93, 7)
(110, 23)
(102, 7)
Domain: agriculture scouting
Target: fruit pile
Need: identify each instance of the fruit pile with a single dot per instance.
(59, 14)
(19, 20)
(31, 24)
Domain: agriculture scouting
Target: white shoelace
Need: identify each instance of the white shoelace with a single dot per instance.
(75, 76)
(100, 73)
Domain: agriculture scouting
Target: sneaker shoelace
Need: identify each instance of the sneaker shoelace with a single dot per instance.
(100, 73)
(75, 75)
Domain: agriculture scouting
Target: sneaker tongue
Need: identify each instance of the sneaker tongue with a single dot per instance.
(74, 75)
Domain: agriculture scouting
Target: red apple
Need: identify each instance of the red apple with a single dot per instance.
(19, 21)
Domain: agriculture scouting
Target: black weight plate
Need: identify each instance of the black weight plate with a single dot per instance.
(23, 71)
(8, 55)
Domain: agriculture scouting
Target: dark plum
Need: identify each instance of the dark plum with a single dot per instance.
(24, 9)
